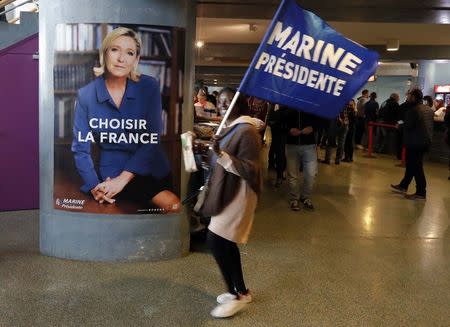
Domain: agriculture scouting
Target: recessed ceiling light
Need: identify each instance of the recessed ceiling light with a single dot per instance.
(392, 45)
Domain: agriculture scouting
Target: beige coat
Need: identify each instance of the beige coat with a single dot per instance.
(239, 168)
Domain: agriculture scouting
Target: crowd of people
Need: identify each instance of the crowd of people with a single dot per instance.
(236, 164)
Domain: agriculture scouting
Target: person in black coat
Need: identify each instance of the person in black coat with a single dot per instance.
(418, 132)
(388, 115)
(447, 125)
(278, 127)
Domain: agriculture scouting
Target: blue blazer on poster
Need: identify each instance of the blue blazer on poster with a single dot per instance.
(304, 64)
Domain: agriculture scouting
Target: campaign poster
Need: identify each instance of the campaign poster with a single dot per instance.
(117, 118)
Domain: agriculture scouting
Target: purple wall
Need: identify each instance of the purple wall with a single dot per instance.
(19, 112)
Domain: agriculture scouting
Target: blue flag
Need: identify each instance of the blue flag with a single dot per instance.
(304, 64)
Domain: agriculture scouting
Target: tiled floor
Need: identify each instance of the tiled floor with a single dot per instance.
(364, 257)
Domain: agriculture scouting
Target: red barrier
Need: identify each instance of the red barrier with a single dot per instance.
(403, 156)
(370, 144)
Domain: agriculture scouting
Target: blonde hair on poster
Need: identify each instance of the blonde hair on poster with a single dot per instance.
(106, 43)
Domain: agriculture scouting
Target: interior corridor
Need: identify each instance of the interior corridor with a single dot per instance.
(364, 257)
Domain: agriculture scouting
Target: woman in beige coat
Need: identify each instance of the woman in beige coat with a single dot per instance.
(236, 181)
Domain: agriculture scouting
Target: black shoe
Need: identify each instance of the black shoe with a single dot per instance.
(325, 162)
(345, 160)
(398, 188)
(307, 204)
(415, 196)
(294, 205)
(336, 162)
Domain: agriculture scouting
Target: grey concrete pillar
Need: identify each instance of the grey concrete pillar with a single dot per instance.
(100, 237)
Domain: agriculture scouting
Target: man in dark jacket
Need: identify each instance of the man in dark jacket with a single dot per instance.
(370, 110)
(301, 150)
(418, 131)
(388, 115)
(277, 153)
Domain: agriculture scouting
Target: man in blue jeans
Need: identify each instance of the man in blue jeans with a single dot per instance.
(301, 153)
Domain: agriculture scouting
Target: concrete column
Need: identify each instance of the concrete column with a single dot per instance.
(96, 237)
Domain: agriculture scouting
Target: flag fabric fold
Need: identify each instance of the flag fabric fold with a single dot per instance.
(305, 64)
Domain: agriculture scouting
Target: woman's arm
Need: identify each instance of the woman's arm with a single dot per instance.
(81, 148)
(245, 162)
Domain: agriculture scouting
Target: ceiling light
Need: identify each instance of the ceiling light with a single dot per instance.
(199, 44)
(392, 45)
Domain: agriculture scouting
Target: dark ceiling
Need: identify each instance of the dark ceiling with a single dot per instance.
(393, 11)
(376, 11)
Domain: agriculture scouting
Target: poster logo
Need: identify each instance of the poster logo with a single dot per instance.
(70, 203)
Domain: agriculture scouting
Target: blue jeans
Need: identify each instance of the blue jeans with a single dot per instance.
(307, 156)
(341, 134)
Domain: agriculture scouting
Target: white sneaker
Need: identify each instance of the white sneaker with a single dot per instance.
(227, 297)
(228, 309)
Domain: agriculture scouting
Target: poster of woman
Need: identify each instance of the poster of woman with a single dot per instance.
(121, 126)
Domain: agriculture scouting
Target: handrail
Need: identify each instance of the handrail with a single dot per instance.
(4, 3)
(12, 21)
(373, 123)
(15, 7)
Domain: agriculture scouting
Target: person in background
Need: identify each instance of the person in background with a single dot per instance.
(447, 133)
(418, 131)
(259, 109)
(277, 152)
(400, 121)
(388, 115)
(439, 114)
(438, 103)
(341, 123)
(349, 139)
(205, 110)
(216, 96)
(370, 111)
(322, 132)
(428, 101)
(360, 118)
(301, 150)
(210, 97)
(236, 181)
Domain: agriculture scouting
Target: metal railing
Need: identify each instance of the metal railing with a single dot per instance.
(5, 3)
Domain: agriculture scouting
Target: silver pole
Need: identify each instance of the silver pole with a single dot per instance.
(227, 114)
(19, 5)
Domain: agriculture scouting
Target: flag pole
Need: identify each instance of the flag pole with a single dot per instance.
(263, 43)
(227, 114)
(244, 80)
